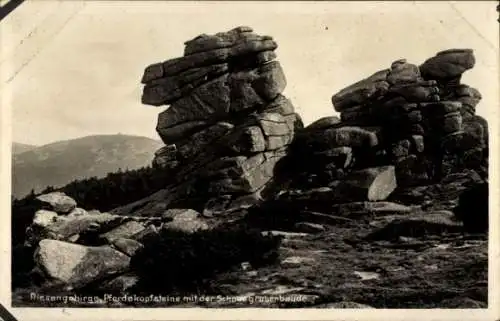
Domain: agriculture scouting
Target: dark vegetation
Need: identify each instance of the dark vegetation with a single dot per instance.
(175, 262)
(22, 263)
(472, 208)
(104, 194)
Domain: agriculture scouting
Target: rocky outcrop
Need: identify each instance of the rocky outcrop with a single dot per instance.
(75, 249)
(91, 227)
(226, 125)
(420, 119)
(404, 126)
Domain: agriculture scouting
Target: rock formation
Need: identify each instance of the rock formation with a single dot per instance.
(75, 248)
(81, 226)
(420, 119)
(227, 124)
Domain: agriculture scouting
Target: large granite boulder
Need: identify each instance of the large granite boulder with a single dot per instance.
(448, 64)
(77, 265)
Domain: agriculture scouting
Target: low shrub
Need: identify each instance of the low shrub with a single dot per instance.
(175, 262)
(22, 263)
(472, 209)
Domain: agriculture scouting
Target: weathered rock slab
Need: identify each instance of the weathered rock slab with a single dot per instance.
(124, 230)
(361, 92)
(448, 64)
(77, 265)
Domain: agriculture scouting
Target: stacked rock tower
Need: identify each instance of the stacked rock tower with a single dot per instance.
(420, 119)
(227, 124)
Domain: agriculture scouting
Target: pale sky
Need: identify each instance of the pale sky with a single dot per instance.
(71, 69)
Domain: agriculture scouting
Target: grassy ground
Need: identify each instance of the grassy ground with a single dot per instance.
(424, 272)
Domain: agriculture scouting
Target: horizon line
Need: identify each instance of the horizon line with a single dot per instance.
(80, 137)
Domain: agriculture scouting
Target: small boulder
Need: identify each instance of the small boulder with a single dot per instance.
(283, 234)
(367, 275)
(120, 285)
(73, 238)
(307, 227)
(371, 184)
(403, 72)
(281, 290)
(127, 246)
(57, 202)
(297, 260)
(77, 212)
(185, 213)
(418, 143)
(188, 221)
(44, 218)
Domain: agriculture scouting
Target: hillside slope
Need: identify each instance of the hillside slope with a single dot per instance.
(18, 148)
(59, 163)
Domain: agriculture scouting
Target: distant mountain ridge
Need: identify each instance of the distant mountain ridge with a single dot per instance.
(59, 163)
(18, 148)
